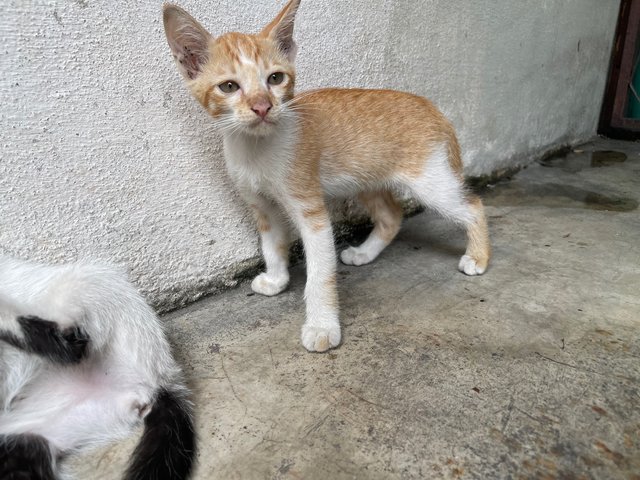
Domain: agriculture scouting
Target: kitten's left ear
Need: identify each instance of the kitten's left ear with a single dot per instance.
(281, 29)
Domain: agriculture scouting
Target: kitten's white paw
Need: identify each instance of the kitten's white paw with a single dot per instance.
(269, 285)
(468, 266)
(319, 339)
(353, 256)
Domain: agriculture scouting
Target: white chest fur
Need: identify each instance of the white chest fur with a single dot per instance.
(261, 164)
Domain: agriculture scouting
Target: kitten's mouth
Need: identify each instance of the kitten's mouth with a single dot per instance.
(260, 126)
(263, 121)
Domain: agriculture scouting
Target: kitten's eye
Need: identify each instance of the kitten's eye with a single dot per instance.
(276, 78)
(228, 86)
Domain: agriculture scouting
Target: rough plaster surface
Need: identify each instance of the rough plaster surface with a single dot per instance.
(105, 155)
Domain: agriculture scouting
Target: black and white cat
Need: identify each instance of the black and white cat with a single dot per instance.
(83, 360)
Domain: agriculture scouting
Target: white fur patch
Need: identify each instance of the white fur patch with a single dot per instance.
(259, 165)
(340, 186)
(245, 60)
(468, 266)
(321, 329)
(365, 253)
(440, 189)
(320, 339)
(270, 284)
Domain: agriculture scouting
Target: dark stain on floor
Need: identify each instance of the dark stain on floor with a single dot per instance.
(515, 192)
(579, 160)
(556, 195)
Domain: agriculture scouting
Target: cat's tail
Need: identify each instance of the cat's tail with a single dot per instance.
(167, 448)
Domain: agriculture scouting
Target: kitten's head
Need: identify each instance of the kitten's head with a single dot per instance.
(244, 81)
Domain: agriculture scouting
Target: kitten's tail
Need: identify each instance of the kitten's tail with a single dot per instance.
(167, 448)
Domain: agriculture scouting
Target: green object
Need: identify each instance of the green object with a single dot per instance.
(634, 92)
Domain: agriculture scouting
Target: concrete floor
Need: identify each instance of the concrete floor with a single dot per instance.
(530, 371)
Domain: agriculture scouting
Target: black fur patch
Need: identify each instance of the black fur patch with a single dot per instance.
(45, 338)
(168, 445)
(25, 457)
(11, 339)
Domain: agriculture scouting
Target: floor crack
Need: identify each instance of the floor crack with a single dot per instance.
(233, 390)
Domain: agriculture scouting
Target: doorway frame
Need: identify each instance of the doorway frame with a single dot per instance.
(613, 122)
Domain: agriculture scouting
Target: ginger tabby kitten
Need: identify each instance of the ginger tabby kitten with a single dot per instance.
(287, 153)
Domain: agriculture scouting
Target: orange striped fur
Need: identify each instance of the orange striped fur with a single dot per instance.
(288, 153)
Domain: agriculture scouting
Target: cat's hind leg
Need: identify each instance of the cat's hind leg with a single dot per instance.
(476, 258)
(442, 189)
(274, 240)
(386, 214)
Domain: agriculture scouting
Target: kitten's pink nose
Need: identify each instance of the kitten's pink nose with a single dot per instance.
(261, 108)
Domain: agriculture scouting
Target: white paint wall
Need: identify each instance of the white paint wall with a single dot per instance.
(105, 155)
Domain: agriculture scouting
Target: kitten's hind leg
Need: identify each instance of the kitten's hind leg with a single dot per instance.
(476, 258)
(442, 189)
(25, 457)
(387, 217)
(274, 240)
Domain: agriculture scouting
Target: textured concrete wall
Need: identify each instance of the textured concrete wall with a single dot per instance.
(105, 155)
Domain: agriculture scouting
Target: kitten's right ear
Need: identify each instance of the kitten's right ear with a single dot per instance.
(189, 41)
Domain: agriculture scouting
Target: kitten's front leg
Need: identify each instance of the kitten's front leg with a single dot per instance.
(321, 329)
(274, 240)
